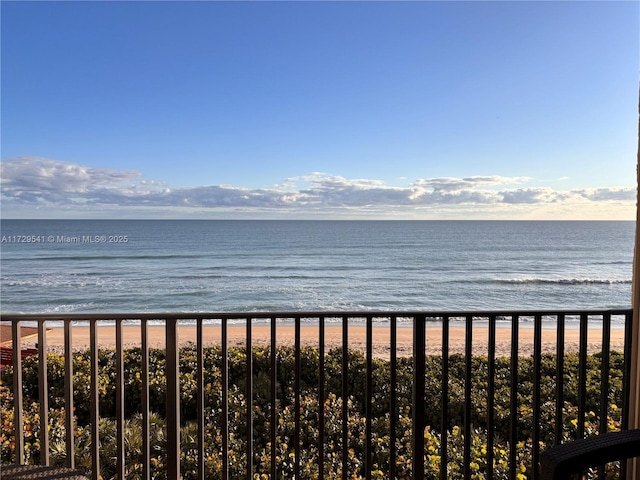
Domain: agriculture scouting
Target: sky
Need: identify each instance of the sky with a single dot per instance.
(319, 110)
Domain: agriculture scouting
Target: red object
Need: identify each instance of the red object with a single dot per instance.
(6, 355)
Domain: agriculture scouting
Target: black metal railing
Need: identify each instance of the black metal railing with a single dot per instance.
(480, 377)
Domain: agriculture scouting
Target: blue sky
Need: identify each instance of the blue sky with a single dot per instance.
(320, 109)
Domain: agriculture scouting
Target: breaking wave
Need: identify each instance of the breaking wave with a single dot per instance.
(562, 281)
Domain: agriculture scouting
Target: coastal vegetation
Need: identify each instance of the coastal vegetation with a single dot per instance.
(309, 407)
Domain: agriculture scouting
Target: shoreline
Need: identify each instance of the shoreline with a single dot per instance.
(309, 336)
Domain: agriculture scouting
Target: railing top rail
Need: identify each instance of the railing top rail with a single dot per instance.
(12, 317)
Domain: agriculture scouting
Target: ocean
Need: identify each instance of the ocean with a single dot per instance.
(221, 266)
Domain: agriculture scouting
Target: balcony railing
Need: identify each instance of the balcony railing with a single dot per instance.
(478, 394)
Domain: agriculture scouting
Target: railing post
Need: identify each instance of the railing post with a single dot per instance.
(321, 398)
(537, 357)
(582, 373)
(491, 382)
(120, 461)
(296, 398)
(225, 398)
(513, 398)
(68, 394)
(18, 418)
(43, 392)
(146, 443)
(274, 399)
(249, 398)
(444, 407)
(393, 409)
(345, 397)
(467, 394)
(200, 397)
(95, 402)
(418, 407)
(173, 400)
(369, 397)
(606, 372)
(559, 379)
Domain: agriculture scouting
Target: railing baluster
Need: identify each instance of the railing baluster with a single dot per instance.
(200, 396)
(606, 371)
(296, 401)
(559, 379)
(225, 398)
(368, 397)
(274, 398)
(18, 409)
(345, 397)
(467, 396)
(68, 394)
(146, 443)
(582, 374)
(173, 399)
(120, 461)
(537, 354)
(491, 388)
(43, 392)
(444, 412)
(345, 394)
(393, 408)
(513, 398)
(95, 400)
(249, 399)
(604, 387)
(321, 398)
(418, 407)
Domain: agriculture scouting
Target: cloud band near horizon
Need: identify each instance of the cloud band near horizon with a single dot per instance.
(55, 186)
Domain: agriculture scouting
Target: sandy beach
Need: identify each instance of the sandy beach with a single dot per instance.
(309, 334)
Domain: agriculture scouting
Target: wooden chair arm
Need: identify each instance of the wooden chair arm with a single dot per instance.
(39, 472)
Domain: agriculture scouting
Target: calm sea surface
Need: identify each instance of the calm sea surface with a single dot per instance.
(218, 266)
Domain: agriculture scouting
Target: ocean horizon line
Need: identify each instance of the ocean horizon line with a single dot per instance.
(523, 220)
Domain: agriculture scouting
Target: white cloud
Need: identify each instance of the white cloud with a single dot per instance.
(530, 195)
(48, 185)
(459, 184)
(604, 194)
(45, 175)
